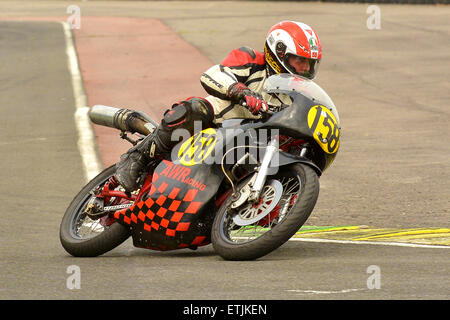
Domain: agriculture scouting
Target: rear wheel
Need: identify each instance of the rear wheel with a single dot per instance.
(82, 236)
(246, 233)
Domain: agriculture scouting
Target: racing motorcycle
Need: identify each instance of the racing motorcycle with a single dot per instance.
(246, 186)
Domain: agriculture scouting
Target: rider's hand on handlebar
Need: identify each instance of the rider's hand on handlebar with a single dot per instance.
(255, 104)
(248, 98)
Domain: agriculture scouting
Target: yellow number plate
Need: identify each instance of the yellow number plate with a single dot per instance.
(195, 150)
(325, 128)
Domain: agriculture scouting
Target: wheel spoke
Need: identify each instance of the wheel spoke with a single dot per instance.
(83, 226)
(246, 233)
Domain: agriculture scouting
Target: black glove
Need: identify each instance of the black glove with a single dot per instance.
(253, 101)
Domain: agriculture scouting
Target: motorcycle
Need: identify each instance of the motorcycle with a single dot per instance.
(245, 186)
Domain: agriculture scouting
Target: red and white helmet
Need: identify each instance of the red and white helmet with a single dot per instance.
(293, 47)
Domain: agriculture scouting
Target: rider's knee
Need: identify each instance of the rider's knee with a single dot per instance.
(202, 110)
(190, 114)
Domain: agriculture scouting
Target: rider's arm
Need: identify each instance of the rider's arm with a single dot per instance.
(217, 81)
(238, 66)
(227, 79)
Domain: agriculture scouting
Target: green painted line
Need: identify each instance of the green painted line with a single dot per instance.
(304, 229)
(310, 229)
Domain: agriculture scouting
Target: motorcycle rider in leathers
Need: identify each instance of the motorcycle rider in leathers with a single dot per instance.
(290, 47)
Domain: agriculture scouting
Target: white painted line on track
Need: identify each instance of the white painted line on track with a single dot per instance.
(324, 292)
(398, 244)
(86, 138)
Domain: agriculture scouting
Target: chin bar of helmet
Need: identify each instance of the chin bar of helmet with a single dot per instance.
(125, 120)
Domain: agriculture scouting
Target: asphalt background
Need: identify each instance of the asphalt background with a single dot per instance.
(392, 90)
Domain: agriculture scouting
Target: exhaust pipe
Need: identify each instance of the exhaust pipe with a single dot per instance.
(122, 119)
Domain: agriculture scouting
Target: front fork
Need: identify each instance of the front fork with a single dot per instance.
(261, 174)
(251, 191)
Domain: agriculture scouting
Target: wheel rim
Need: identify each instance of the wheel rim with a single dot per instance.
(269, 198)
(235, 234)
(82, 227)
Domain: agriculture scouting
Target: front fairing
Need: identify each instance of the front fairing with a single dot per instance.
(311, 115)
(299, 88)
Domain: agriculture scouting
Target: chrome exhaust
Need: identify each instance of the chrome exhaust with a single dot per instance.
(122, 119)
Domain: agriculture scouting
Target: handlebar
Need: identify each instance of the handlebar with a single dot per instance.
(272, 109)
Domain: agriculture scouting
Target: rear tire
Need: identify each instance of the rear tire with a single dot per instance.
(108, 239)
(278, 233)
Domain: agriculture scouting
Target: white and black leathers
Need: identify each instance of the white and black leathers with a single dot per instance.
(243, 65)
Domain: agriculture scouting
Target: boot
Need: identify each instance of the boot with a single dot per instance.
(133, 165)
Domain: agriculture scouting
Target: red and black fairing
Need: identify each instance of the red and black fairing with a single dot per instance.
(177, 210)
(177, 204)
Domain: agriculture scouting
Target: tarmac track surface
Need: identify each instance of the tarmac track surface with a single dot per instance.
(38, 134)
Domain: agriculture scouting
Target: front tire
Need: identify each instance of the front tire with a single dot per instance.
(76, 242)
(300, 193)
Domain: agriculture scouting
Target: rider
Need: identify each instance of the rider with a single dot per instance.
(290, 47)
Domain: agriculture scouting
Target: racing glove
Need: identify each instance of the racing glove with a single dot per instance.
(253, 100)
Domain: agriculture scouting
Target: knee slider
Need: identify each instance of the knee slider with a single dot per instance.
(175, 116)
(184, 115)
(201, 110)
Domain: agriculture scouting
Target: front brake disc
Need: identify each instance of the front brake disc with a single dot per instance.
(269, 198)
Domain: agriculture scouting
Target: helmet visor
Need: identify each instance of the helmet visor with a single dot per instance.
(301, 66)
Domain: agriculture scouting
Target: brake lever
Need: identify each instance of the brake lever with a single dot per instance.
(275, 108)
(268, 111)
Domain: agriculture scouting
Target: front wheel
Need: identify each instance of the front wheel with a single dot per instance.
(247, 234)
(83, 237)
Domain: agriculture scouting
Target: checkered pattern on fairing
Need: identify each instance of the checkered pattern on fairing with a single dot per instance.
(162, 212)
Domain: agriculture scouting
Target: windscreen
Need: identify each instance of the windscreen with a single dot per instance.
(285, 83)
